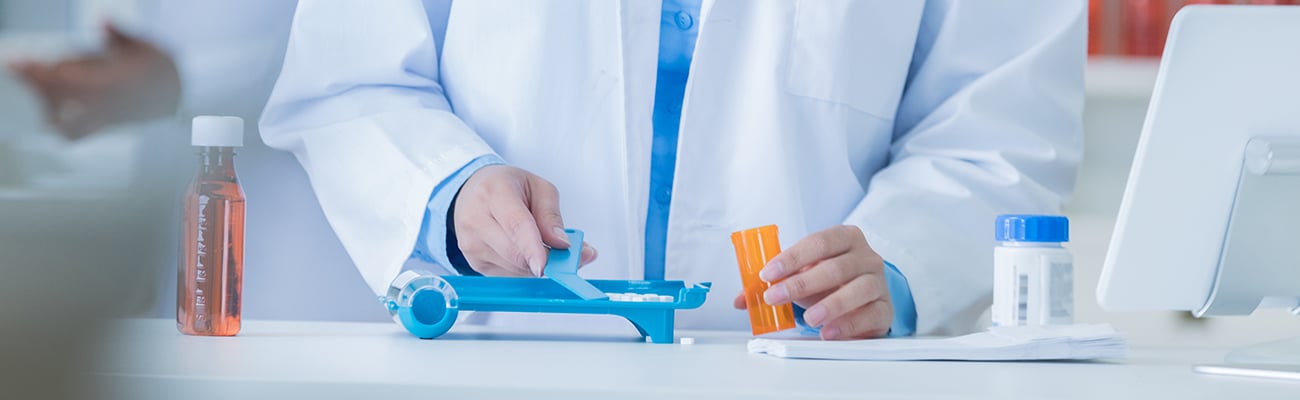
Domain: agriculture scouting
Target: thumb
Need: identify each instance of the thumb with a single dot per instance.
(115, 34)
(544, 202)
(118, 39)
(739, 302)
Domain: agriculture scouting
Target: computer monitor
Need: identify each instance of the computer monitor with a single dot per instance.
(1210, 220)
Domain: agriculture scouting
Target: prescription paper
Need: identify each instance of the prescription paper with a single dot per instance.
(1055, 342)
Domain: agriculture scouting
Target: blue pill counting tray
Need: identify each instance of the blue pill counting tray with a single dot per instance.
(427, 305)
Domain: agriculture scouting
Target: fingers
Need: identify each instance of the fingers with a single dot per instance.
(739, 302)
(853, 295)
(544, 203)
(65, 94)
(818, 246)
(510, 217)
(825, 276)
(522, 243)
(869, 321)
(588, 254)
(482, 254)
(24, 69)
(495, 269)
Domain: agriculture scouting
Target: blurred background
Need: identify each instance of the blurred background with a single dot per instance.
(95, 99)
(191, 57)
(1126, 38)
(88, 207)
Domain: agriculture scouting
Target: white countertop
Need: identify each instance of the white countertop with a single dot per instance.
(319, 360)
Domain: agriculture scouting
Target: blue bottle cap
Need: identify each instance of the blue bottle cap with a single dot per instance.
(1033, 228)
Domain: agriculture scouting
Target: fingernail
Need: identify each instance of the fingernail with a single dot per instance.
(814, 315)
(830, 333)
(772, 271)
(559, 232)
(536, 266)
(776, 295)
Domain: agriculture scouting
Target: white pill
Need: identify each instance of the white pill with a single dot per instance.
(688, 340)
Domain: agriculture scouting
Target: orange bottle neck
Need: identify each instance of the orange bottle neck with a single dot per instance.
(217, 163)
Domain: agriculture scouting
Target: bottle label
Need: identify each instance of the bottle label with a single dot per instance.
(1060, 297)
(1032, 288)
(204, 236)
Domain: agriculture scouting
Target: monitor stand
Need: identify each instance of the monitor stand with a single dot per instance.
(1276, 360)
(1260, 254)
(1261, 247)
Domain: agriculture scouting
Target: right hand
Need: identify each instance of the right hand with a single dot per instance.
(505, 220)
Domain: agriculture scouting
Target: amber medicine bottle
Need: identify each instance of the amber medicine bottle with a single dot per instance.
(754, 249)
(211, 267)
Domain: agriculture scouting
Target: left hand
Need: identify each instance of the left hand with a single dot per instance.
(839, 281)
(131, 80)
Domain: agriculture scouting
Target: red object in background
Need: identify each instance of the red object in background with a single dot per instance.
(1095, 18)
(1138, 28)
(1145, 24)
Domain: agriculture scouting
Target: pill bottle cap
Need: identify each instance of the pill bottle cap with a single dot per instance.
(217, 131)
(1032, 228)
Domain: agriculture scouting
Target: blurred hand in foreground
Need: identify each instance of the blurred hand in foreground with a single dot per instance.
(131, 80)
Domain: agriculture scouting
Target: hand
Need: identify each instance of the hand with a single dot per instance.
(839, 281)
(131, 81)
(505, 218)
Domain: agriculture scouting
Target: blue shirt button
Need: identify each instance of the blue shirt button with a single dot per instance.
(664, 196)
(685, 20)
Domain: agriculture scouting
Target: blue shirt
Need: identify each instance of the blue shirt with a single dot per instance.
(678, 31)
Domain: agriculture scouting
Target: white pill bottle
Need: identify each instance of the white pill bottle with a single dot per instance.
(1033, 274)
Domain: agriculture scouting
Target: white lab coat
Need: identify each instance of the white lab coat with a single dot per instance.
(916, 121)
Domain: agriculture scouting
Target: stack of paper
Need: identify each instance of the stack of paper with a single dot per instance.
(1058, 342)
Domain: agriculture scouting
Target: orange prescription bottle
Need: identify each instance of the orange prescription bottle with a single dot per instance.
(754, 249)
(209, 279)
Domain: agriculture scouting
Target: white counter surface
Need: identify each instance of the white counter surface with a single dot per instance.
(316, 360)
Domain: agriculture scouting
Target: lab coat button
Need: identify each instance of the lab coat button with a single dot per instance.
(685, 20)
(664, 196)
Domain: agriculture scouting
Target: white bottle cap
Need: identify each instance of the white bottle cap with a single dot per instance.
(217, 131)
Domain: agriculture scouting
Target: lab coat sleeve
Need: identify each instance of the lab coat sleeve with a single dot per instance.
(435, 244)
(359, 104)
(990, 122)
(904, 323)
